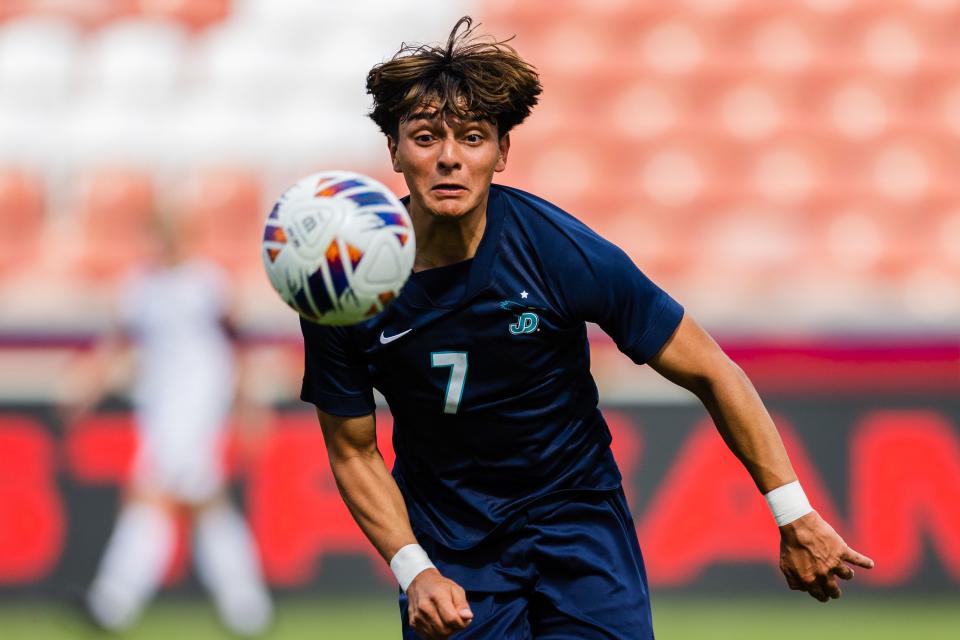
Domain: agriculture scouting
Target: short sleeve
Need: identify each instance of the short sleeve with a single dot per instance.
(601, 284)
(335, 376)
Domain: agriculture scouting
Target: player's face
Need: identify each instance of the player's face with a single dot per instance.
(447, 163)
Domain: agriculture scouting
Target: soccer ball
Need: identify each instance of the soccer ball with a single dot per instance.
(338, 246)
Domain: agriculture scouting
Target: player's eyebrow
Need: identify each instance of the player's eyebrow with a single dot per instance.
(431, 115)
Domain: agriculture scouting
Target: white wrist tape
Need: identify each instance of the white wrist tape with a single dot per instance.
(788, 503)
(408, 563)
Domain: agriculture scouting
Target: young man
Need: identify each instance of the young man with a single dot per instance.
(504, 516)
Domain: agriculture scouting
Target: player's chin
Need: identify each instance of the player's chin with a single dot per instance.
(449, 209)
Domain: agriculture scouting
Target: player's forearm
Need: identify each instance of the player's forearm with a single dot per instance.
(92, 375)
(746, 426)
(365, 484)
(373, 498)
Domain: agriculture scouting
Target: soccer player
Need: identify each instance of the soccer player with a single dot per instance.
(504, 516)
(173, 318)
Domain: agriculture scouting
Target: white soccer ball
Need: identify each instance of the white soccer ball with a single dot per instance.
(338, 247)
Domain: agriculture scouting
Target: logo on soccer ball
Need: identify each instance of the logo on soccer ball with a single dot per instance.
(338, 247)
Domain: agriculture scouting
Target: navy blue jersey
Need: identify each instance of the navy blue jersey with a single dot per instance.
(485, 365)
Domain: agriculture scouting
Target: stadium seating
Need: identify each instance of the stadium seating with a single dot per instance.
(223, 213)
(790, 141)
(113, 211)
(808, 144)
(137, 62)
(21, 221)
(37, 61)
(193, 14)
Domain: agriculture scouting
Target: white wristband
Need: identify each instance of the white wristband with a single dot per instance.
(408, 563)
(788, 503)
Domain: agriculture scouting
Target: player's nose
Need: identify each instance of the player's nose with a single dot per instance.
(448, 157)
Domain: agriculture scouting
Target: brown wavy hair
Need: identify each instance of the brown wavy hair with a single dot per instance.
(471, 78)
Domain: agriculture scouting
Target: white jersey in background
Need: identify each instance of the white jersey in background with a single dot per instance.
(185, 376)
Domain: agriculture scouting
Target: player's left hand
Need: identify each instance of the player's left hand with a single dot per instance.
(813, 556)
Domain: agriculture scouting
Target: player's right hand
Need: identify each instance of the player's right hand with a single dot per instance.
(437, 607)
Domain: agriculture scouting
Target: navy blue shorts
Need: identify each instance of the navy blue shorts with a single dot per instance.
(566, 568)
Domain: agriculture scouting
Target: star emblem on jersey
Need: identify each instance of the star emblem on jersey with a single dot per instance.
(524, 294)
(526, 320)
(385, 339)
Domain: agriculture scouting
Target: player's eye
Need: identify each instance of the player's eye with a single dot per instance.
(423, 138)
(473, 138)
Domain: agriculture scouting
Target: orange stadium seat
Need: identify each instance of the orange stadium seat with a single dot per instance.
(893, 42)
(224, 214)
(114, 211)
(21, 220)
(936, 251)
(858, 105)
(902, 170)
(746, 240)
(92, 13)
(526, 11)
(875, 243)
(641, 108)
(194, 14)
(788, 172)
(947, 230)
(938, 100)
(190, 13)
(567, 167)
(12, 8)
(946, 239)
(748, 107)
(784, 41)
(663, 247)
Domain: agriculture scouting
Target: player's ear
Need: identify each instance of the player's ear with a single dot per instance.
(503, 145)
(392, 148)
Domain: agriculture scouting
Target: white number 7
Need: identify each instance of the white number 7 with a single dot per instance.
(457, 361)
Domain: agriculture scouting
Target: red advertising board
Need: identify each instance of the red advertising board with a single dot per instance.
(885, 470)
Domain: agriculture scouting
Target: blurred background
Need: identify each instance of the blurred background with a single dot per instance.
(789, 171)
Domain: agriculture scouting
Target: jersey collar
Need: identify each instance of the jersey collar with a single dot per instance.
(480, 273)
(479, 277)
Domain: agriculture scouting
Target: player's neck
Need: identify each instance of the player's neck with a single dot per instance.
(444, 241)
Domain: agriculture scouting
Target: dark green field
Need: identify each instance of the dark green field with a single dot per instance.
(852, 618)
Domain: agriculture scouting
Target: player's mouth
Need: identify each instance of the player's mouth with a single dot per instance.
(448, 189)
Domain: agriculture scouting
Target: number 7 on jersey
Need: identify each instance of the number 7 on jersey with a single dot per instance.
(457, 361)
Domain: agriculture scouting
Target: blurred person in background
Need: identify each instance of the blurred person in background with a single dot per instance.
(504, 474)
(173, 317)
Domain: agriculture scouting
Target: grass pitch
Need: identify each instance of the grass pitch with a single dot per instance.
(675, 618)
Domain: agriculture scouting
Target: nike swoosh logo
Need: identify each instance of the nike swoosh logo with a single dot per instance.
(388, 339)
